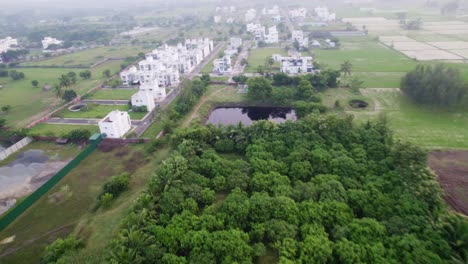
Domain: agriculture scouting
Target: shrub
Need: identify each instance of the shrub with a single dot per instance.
(60, 247)
(106, 200)
(116, 185)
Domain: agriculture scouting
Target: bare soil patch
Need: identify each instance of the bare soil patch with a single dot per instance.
(451, 167)
(449, 45)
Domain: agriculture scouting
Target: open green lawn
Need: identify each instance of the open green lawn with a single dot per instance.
(58, 130)
(27, 101)
(258, 57)
(90, 56)
(113, 94)
(430, 128)
(379, 79)
(98, 111)
(77, 192)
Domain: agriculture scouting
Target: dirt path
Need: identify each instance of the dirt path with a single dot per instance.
(369, 92)
(200, 103)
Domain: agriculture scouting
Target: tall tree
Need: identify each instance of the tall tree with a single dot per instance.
(346, 67)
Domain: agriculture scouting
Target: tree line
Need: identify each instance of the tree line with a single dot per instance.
(320, 190)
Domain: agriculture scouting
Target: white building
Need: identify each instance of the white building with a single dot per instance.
(7, 43)
(330, 43)
(271, 11)
(143, 98)
(252, 27)
(116, 124)
(315, 44)
(47, 41)
(250, 15)
(222, 65)
(295, 64)
(276, 19)
(158, 93)
(230, 20)
(298, 35)
(297, 14)
(217, 19)
(162, 67)
(236, 42)
(272, 36)
(324, 15)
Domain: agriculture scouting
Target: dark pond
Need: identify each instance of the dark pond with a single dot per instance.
(249, 114)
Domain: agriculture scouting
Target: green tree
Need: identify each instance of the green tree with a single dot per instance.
(106, 73)
(259, 88)
(304, 90)
(34, 83)
(86, 74)
(346, 67)
(69, 95)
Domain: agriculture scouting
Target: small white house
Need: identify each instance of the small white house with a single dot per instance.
(323, 14)
(217, 19)
(250, 15)
(47, 41)
(143, 98)
(296, 65)
(298, 35)
(116, 124)
(236, 42)
(222, 65)
(272, 36)
(7, 43)
(315, 44)
(158, 93)
(299, 13)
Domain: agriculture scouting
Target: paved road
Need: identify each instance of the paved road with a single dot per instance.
(244, 54)
(73, 121)
(106, 102)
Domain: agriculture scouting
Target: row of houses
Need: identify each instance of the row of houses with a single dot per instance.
(8, 43)
(162, 67)
(224, 64)
(320, 13)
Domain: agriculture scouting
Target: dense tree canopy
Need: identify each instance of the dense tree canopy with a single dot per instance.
(319, 190)
(434, 85)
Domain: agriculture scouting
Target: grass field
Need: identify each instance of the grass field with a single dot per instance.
(430, 128)
(258, 57)
(77, 193)
(90, 56)
(27, 101)
(58, 130)
(113, 94)
(98, 111)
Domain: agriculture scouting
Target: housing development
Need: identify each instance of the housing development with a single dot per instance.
(233, 132)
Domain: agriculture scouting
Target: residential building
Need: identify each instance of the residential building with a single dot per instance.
(47, 41)
(276, 18)
(162, 67)
(116, 124)
(295, 64)
(250, 15)
(155, 90)
(230, 20)
(222, 65)
(252, 27)
(298, 35)
(217, 19)
(298, 14)
(271, 11)
(272, 36)
(7, 44)
(143, 98)
(236, 42)
(323, 14)
(330, 43)
(315, 44)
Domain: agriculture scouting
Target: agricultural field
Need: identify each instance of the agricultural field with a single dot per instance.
(90, 56)
(426, 127)
(112, 94)
(28, 102)
(96, 111)
(377, 65)
(259, 56)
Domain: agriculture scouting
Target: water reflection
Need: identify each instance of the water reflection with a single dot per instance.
(247, 115)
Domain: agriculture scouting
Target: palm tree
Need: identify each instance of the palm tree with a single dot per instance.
(346, 68)
(58, 90)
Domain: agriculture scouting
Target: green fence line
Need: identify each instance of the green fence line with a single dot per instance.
(36, 195)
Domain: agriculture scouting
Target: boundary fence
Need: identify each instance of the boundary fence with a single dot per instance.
(17, 146)
(20, 208)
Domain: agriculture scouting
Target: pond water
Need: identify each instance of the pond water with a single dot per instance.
(249, 114)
